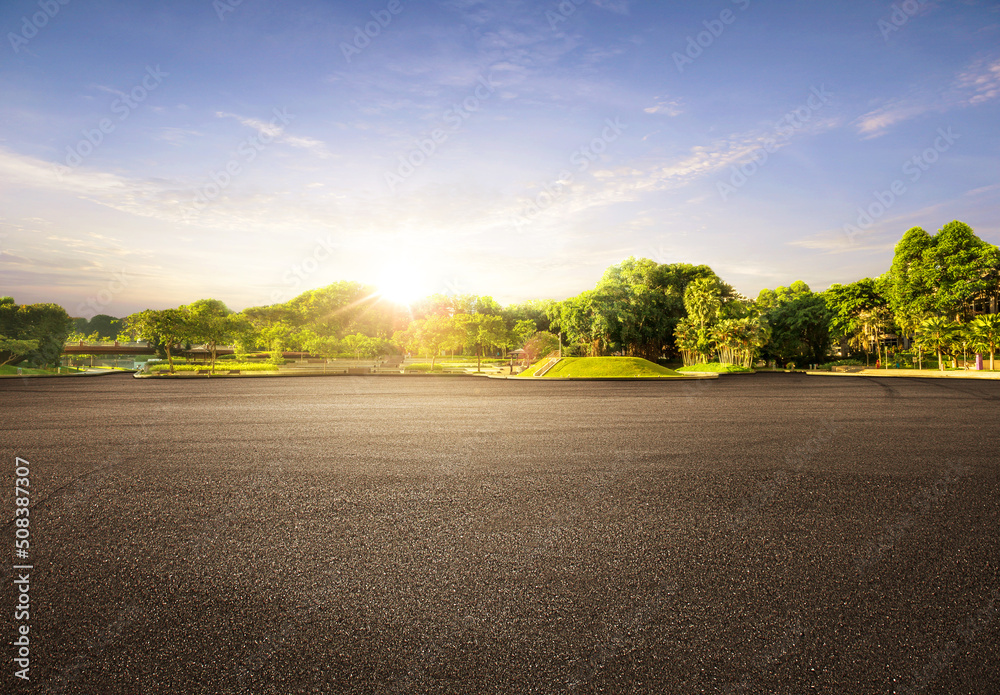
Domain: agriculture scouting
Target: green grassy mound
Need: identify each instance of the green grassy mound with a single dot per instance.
(11, 370)
(715, 367)
(603, 368)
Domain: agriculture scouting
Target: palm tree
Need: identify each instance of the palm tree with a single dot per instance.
(686, 339)
(986, 334)
(702, 300)
(936, 333)
(726, 338)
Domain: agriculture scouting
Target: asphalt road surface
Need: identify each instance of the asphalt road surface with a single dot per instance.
(754, 534)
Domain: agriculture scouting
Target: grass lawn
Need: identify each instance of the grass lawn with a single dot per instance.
(716, 367)
(602, 368)
(9, 369)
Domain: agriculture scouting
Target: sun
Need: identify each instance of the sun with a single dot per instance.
(402, 284)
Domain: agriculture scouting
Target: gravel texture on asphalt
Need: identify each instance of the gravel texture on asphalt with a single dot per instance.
(774, 533)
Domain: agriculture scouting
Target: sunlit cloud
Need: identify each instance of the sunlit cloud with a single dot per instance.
(979, 83)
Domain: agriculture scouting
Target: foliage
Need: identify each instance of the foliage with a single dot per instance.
(985, 334)
(721, 368)
(102, 326)
(209, 322)
(633, 310)
(47, 325)
(540, 345)
(936, 334)
(800, 323)
(945, 274)
(15, 350)
(241, 366)
(166, 327)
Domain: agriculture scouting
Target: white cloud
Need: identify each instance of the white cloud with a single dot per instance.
(667, 107)
(977, 84)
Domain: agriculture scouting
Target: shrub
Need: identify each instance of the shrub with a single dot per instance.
(242, 366)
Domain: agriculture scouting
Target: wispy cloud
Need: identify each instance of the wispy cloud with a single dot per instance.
(275, 132)
(666, 107)
(977, 84)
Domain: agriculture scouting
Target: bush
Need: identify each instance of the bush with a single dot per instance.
(422, 367)
(842, 363)
(242, 366)
(716, 367)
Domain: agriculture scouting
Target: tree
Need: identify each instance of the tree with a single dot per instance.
(209, 323)
(944, 274)
(168, 327)
(936, 333)
(985, 332)
(47, 324)
(960, 267)
(702, 300)
(481, 331)
(634, 309)
(540, 345)
(355, 344)
(438, 332)
(12, 350)
(858, 314)
(909, 293)
(800, 323)
(522, 332)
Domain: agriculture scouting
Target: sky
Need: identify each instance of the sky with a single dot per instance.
(156, 153)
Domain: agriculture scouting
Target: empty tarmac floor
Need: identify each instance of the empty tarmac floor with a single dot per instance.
(774, 533)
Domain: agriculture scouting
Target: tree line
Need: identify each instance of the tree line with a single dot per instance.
(939, 297)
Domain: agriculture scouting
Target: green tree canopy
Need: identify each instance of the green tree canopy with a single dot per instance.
(46, 325)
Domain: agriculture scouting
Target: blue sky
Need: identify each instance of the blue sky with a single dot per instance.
(152, 154)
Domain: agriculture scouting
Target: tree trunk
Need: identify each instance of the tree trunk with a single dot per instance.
(170, 359)
(940, 361)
